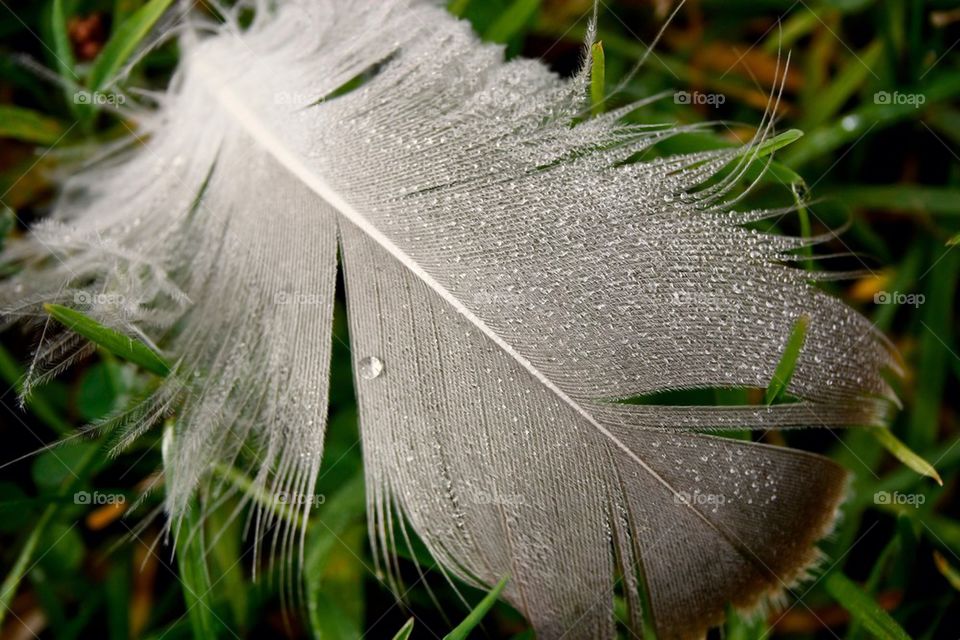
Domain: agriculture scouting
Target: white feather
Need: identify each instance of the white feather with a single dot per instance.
(509, 277)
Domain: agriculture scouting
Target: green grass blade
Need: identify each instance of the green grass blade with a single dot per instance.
(328, 535)
(405, 630)
(458, 7)
(226, 563)
(8, 220)
(904, 454)
(194, 577)
(902, 198)
(21, 565)
(798, 189)
(777, 142)
(872, 116)
(788, 361)
(113, 341)
(800, 23)
(946, 121)
(191, 559)
(598, 77)
(124, 42)
(936, 335)
(63, 55)
(28, 126)
(863, 608)
(852, 76)
(742, 627)
(473, 619)
(512, 20)
(12, 373)
(947, 570)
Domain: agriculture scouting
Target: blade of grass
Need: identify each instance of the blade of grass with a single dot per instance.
(598, 73)
(226, 563)
(863, 608)
(946, 121)
(473, 619)
(947, 570)
(799, 189)
(22, 563)
(405, 630)
(118, 601)
(904, 454)
(902, 198)
(947, 455)
(797, 25)
(512, 20)
(122, 346)
(458, 7)
(123, 43)
(191, 559)
(788, 361)
(346, 506)
(28, 126)
(777, 142)
(193, 575)
(63, 55)
(935, 335)
(823, 141)
(898, 543)
(905, 277)
(8, 220)
(12, 373)
(741, 627)
(851, 77)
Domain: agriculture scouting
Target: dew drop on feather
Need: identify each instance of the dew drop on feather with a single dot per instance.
(371, 367)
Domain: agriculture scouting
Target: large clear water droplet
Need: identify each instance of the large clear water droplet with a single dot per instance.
(371, 367)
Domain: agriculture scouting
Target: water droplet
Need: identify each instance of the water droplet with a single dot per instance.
(850, 123)
(371, 367)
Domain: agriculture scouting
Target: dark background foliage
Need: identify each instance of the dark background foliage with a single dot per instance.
(873, 84)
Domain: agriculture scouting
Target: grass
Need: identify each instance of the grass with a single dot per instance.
(872, 85)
